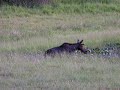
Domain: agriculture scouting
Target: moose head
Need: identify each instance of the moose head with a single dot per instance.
(81, 46)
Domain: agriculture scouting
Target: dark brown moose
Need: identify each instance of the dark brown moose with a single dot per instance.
(66, 48)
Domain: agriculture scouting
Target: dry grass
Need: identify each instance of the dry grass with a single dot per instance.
(38, 33)
(73, 72)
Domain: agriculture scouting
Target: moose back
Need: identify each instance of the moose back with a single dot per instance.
(66, 48)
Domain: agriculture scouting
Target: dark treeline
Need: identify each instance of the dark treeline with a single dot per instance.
(31, 3)
(27, 3)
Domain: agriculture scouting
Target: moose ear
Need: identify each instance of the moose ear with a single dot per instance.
(78, 41)
(81, 41)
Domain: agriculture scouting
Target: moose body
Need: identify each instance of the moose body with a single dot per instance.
(66, 48)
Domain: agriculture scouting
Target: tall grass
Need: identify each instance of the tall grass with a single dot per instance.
(72, 72)
(92, 8)
(38, 33)
(25, 33)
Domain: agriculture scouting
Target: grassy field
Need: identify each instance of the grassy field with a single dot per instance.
(38, 33)
(26, 32)
(68, 73)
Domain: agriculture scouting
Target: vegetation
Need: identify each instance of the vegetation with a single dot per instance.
(25, 33)
(92, 8)
(40, 2)
(82, 72)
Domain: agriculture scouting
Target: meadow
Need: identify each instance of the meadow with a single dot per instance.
(25, 33)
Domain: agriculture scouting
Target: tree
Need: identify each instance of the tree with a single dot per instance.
(28, 3)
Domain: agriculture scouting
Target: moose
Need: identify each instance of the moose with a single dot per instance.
(66, 48)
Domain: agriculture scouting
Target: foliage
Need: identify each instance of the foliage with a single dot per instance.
(92, 8)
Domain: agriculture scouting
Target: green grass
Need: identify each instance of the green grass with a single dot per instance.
(26, 32)
(38, 33)
(86, 1)
(11, 11)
